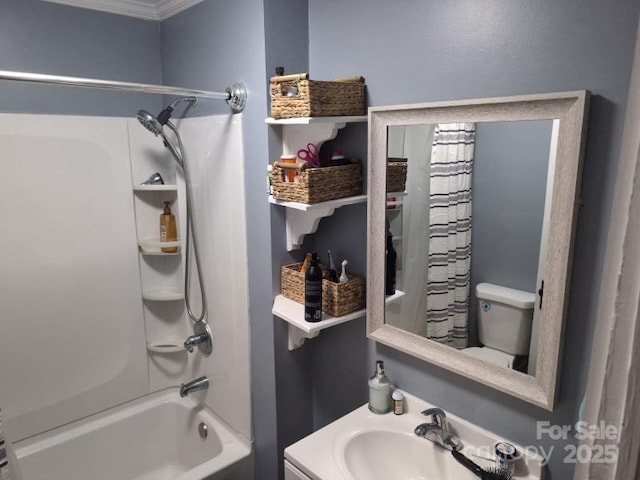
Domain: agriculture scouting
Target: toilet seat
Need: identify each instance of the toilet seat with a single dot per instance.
(490, 355)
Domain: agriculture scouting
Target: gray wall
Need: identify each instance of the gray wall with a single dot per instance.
(508, 188)
(43, 37)
(287, 34)
(417, 51)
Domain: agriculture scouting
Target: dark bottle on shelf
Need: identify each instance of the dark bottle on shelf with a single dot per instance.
(313, 291)
(390, 278)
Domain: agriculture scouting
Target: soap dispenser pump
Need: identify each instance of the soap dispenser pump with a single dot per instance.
(379, 391)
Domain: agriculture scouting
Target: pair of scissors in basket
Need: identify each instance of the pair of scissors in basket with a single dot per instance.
(310, 155)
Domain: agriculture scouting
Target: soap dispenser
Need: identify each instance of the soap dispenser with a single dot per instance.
(168, 229)
(379, 391)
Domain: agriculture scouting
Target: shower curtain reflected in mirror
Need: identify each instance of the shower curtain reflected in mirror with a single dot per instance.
(450, 234)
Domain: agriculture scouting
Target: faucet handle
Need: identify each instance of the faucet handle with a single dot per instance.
(438, 417)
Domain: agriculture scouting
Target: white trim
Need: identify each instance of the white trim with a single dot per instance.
(614, 372)
(169, 8)
(157, 11)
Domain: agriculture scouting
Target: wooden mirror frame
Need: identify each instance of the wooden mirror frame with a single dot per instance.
(571, 109)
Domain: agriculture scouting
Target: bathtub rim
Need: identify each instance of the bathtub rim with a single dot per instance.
(235, 447)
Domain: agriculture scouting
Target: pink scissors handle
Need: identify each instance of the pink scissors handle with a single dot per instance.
(309, 155)
(313, 150)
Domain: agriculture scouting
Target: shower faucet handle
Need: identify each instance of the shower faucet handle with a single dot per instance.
(202, 338)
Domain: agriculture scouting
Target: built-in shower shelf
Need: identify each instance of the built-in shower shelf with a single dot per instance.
(167, 345)
(160, 254)
(153, 246)
(155, 188)
(163, 294)
(299, 329)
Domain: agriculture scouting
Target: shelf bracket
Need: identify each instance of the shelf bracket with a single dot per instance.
(301, 223)
(297, 337)
(295, 137)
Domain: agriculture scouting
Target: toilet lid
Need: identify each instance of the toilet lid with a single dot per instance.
(490, 355)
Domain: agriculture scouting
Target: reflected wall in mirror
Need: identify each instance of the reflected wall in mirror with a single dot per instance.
(476, 236)
(467, 232)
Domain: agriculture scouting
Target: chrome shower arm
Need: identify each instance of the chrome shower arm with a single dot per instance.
(191, 100)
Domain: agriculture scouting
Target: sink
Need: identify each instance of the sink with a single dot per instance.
(365, 446)
(380, 454)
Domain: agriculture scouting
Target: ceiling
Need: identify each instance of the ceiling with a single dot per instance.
(146, 9)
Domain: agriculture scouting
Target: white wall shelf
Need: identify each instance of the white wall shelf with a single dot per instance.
(299, 329)
(298, 132)
(302, 219)
(315, 120)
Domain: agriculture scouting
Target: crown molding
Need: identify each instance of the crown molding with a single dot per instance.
(169, 8)
(156, 10)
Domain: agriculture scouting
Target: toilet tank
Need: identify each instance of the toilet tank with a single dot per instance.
(504, 318)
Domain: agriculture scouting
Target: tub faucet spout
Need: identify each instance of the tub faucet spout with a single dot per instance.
(193, 386)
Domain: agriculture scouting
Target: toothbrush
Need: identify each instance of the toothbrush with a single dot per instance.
(343, 275)
(333, 273)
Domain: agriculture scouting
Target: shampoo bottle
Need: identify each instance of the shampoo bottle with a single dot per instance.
(379, 391)
(168, 229)
(313, 291)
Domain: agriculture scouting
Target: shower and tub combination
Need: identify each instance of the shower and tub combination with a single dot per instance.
(111, 408)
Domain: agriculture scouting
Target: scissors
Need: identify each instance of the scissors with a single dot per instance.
(310, 155)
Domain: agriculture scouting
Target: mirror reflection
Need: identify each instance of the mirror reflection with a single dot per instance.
(467, 215)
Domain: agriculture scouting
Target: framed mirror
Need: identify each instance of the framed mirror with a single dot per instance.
(471, 219)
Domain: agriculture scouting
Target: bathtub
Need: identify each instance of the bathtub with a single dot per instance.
(154, 438)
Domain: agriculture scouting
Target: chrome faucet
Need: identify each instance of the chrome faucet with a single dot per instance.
(201, 338)
(438, 430)
(193, 386)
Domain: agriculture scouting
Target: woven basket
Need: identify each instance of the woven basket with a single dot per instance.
(396, 176)
(315, 185)
(297, 96)
(338, 299)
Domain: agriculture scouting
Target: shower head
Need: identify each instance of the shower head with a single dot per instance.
(150, 122)
(155, 124)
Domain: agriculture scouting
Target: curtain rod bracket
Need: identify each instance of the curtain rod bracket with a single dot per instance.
(237, 97)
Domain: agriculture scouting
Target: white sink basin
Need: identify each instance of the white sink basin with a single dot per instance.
(374, 454)
(365, 446)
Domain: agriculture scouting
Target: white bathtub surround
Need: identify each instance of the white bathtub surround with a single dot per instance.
(214, 151)
(72, 340)
(74, 323)
(162, 427)
(213, 147)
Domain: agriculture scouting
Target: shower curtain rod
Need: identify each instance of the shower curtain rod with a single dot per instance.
(235, 95)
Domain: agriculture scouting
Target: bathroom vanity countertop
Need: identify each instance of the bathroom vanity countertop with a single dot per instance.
(363, 442)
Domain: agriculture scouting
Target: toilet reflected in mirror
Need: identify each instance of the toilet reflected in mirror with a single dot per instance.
(504, 318)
